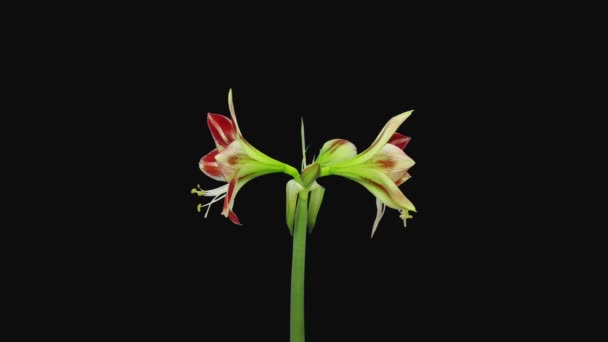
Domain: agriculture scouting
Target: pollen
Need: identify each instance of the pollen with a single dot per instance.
(405, 214)
(199, 192)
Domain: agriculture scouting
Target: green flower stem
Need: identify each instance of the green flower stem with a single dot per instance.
(296, 326)
(292, 171)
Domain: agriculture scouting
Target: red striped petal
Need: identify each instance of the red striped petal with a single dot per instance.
(381, 140)
(232, 113)
(233, 188)
(228, 199)
(232, 216)
(403, 178)
(222, 130)
(209, 166)
(384, 189)
(399, 140)
(392, 161)
(231, 159)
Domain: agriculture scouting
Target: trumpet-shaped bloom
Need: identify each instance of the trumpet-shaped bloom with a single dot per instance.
(234, 161)
(381, 168)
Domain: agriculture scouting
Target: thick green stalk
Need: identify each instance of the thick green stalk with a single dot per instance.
(296, 326)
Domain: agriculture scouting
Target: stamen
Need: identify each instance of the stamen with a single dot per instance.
(218, 194)
(217, 191)
(215, 199)
(199, 192)
(207, 211)
(208, 205)
(405, 214)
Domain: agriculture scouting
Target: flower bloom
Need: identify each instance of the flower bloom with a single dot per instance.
(234, 161)
(381, 168)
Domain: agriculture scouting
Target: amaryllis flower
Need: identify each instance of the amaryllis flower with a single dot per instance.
(381, 168)
(234, 161)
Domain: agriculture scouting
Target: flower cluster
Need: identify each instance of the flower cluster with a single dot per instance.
(381, 168)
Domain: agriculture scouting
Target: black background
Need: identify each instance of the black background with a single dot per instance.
(163, 268)
(113, 245)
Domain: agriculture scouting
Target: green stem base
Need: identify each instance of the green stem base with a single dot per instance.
(296, 327)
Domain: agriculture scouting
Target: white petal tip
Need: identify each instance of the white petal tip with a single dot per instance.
(403, 116)
(408, 113)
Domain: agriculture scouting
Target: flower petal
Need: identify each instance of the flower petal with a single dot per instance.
(209, 166)
(393, 161)
(232, 113)
(381, 140)
(399, 140)
(335, 151)
(231, 159)
(232, 216)
(222, 130)
(229, 201)
(403, 178)
(380, 208)
(380, 185)
(235, 186)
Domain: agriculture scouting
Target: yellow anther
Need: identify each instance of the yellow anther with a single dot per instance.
(199, 192)
(404, 216)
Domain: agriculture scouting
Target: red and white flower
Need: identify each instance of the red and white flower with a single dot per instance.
(381, 168)
(234, 161)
